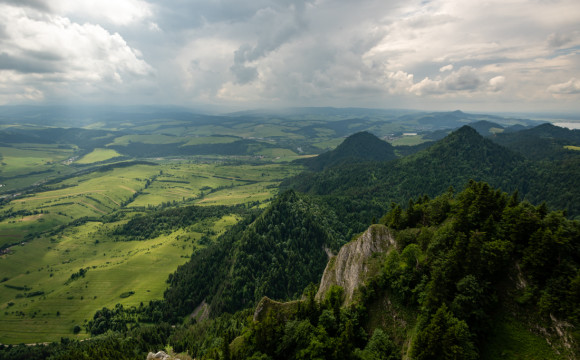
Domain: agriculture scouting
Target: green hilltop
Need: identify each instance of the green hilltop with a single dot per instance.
(359, 147)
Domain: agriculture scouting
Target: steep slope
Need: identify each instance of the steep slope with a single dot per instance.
(356, 262)
(276, 255)
(473, 275)
(461, 274)
(362, 146)
(543, 142)
(486, 128)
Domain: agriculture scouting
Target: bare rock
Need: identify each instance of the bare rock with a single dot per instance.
(355, 262)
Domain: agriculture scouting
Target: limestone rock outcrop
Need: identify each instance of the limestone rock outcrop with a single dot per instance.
(356, 261)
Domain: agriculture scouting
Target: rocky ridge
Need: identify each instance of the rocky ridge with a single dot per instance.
(356, 261)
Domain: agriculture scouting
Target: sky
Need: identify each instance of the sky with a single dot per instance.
(486, 55)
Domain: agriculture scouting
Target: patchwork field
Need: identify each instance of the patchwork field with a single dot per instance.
(98, 155)
(50, 235)
(23, 165)
(40, 302)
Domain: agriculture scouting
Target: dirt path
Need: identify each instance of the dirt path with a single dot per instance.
(31, 217)
(58, 196)
(108, 197)
(232, 197)
(127, 188)
(92, 207)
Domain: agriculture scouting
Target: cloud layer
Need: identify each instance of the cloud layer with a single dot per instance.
(441, 54)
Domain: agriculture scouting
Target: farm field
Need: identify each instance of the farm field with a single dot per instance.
(23, 165)
(39, 302)
(408, 140)
(46, 238)
(98, 155)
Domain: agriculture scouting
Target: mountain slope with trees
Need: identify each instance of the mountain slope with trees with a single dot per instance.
(276, 254)
(360, 147)
(446, 284)
(544, 142)
(462, 155)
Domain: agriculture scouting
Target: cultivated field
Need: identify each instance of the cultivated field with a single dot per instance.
(47, 238)
(98, 155)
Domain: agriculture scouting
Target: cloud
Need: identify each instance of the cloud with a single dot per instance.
(446, 68)
(399, 82)
(557, 39)
(117, 12)
(55, 55)
(28, 63)
(572, 86)
(34, 4)
(293, 52)
(465, 79)
(497, 83)
(287, 24)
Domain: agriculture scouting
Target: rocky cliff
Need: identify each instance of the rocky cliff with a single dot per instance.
(356, 261)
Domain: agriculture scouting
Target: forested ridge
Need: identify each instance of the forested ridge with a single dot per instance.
(277, 254)
(358, 147)
(452, 161)
(462, 264)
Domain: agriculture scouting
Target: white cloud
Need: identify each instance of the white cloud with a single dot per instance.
(446, 68)
(52, 54)
(399, 82)
(117, 12)
(466, 79)
(497, 83)
(572, 86)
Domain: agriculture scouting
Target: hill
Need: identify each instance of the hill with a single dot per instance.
(462, 155)
(442, 290)
(359, 192)
(276, 254)
(543, 142)
(359, 147)
(486, 128)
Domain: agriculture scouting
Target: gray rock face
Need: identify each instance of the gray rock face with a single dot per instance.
(160, 355)
(354, 262)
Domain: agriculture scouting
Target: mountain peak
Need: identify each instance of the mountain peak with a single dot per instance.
(467, 145)
(361, 146)
(464, 131)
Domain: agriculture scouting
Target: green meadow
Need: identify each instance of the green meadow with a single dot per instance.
(147, 139)
(408, 140)
(24, 165)
(44, 246)
(40, 302)
(98, 155)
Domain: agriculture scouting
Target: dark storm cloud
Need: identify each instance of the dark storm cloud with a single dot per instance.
(184, 14)
(41, 5)
(27, 65)
(293, 24)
